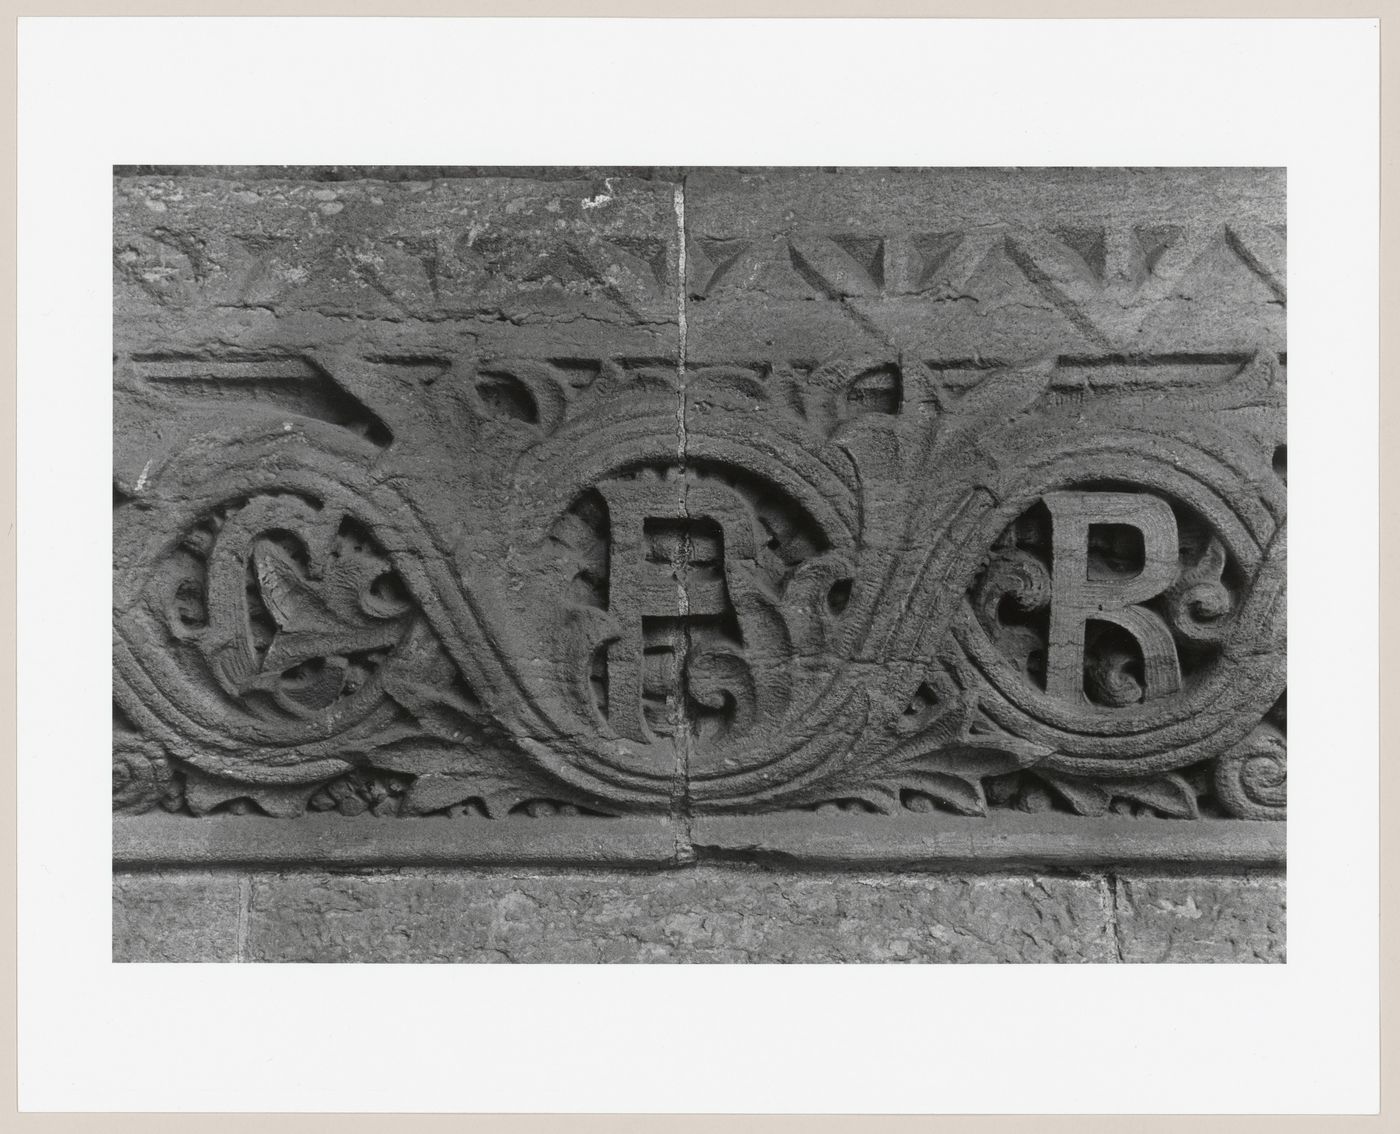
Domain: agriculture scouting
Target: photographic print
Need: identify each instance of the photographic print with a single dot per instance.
(699, 564)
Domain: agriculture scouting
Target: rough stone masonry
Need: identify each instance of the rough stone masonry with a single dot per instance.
(699, 565)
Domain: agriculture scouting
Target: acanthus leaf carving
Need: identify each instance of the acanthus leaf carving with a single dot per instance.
(1169, 795)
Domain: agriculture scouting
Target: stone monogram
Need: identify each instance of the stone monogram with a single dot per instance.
(372, 561)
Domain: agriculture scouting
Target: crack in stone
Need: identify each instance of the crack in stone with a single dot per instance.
(682, 739)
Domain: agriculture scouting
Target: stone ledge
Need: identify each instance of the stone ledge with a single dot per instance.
(1002, 842)
(804, 840)
(333, 840)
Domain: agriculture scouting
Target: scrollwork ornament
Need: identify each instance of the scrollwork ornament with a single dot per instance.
(1251, 779)
(1142, 629)
(884, 596)
(142, 778)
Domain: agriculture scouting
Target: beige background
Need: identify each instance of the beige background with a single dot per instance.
(1390, 293)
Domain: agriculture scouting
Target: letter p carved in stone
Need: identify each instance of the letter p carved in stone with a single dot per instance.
(669, 551)
(1085, 590)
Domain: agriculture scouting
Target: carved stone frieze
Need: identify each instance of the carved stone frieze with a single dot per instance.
(843, 492)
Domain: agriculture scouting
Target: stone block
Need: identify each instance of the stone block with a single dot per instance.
(332, 840)
(176, 916)
(1179, 919)
(1005, 840)
(966, 267)
(495, 263)
(698, 915)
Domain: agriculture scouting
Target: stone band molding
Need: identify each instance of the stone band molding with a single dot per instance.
(791, 840)
(541, 518)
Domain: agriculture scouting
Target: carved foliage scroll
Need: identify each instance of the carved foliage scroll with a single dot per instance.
(434, 580)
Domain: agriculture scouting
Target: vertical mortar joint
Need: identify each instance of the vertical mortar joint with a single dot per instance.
(245, 889)
(1111, 882)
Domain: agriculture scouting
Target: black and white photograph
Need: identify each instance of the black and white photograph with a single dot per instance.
(699, 565)
(800, 564)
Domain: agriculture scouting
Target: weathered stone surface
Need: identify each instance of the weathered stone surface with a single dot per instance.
(935, 841)
(967, 266)
(1186, 919)
(703, 915)
(332, 173)
(219, 260)
(371, 841)
(458, 497)
(176, 916)
(912, 841)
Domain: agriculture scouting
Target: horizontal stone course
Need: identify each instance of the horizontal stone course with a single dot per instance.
(983, 264)
(698, 916)
(794, 839)
(702, 914)
(490, 265)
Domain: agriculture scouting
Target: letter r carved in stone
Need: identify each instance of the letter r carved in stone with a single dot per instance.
(1084, 592)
